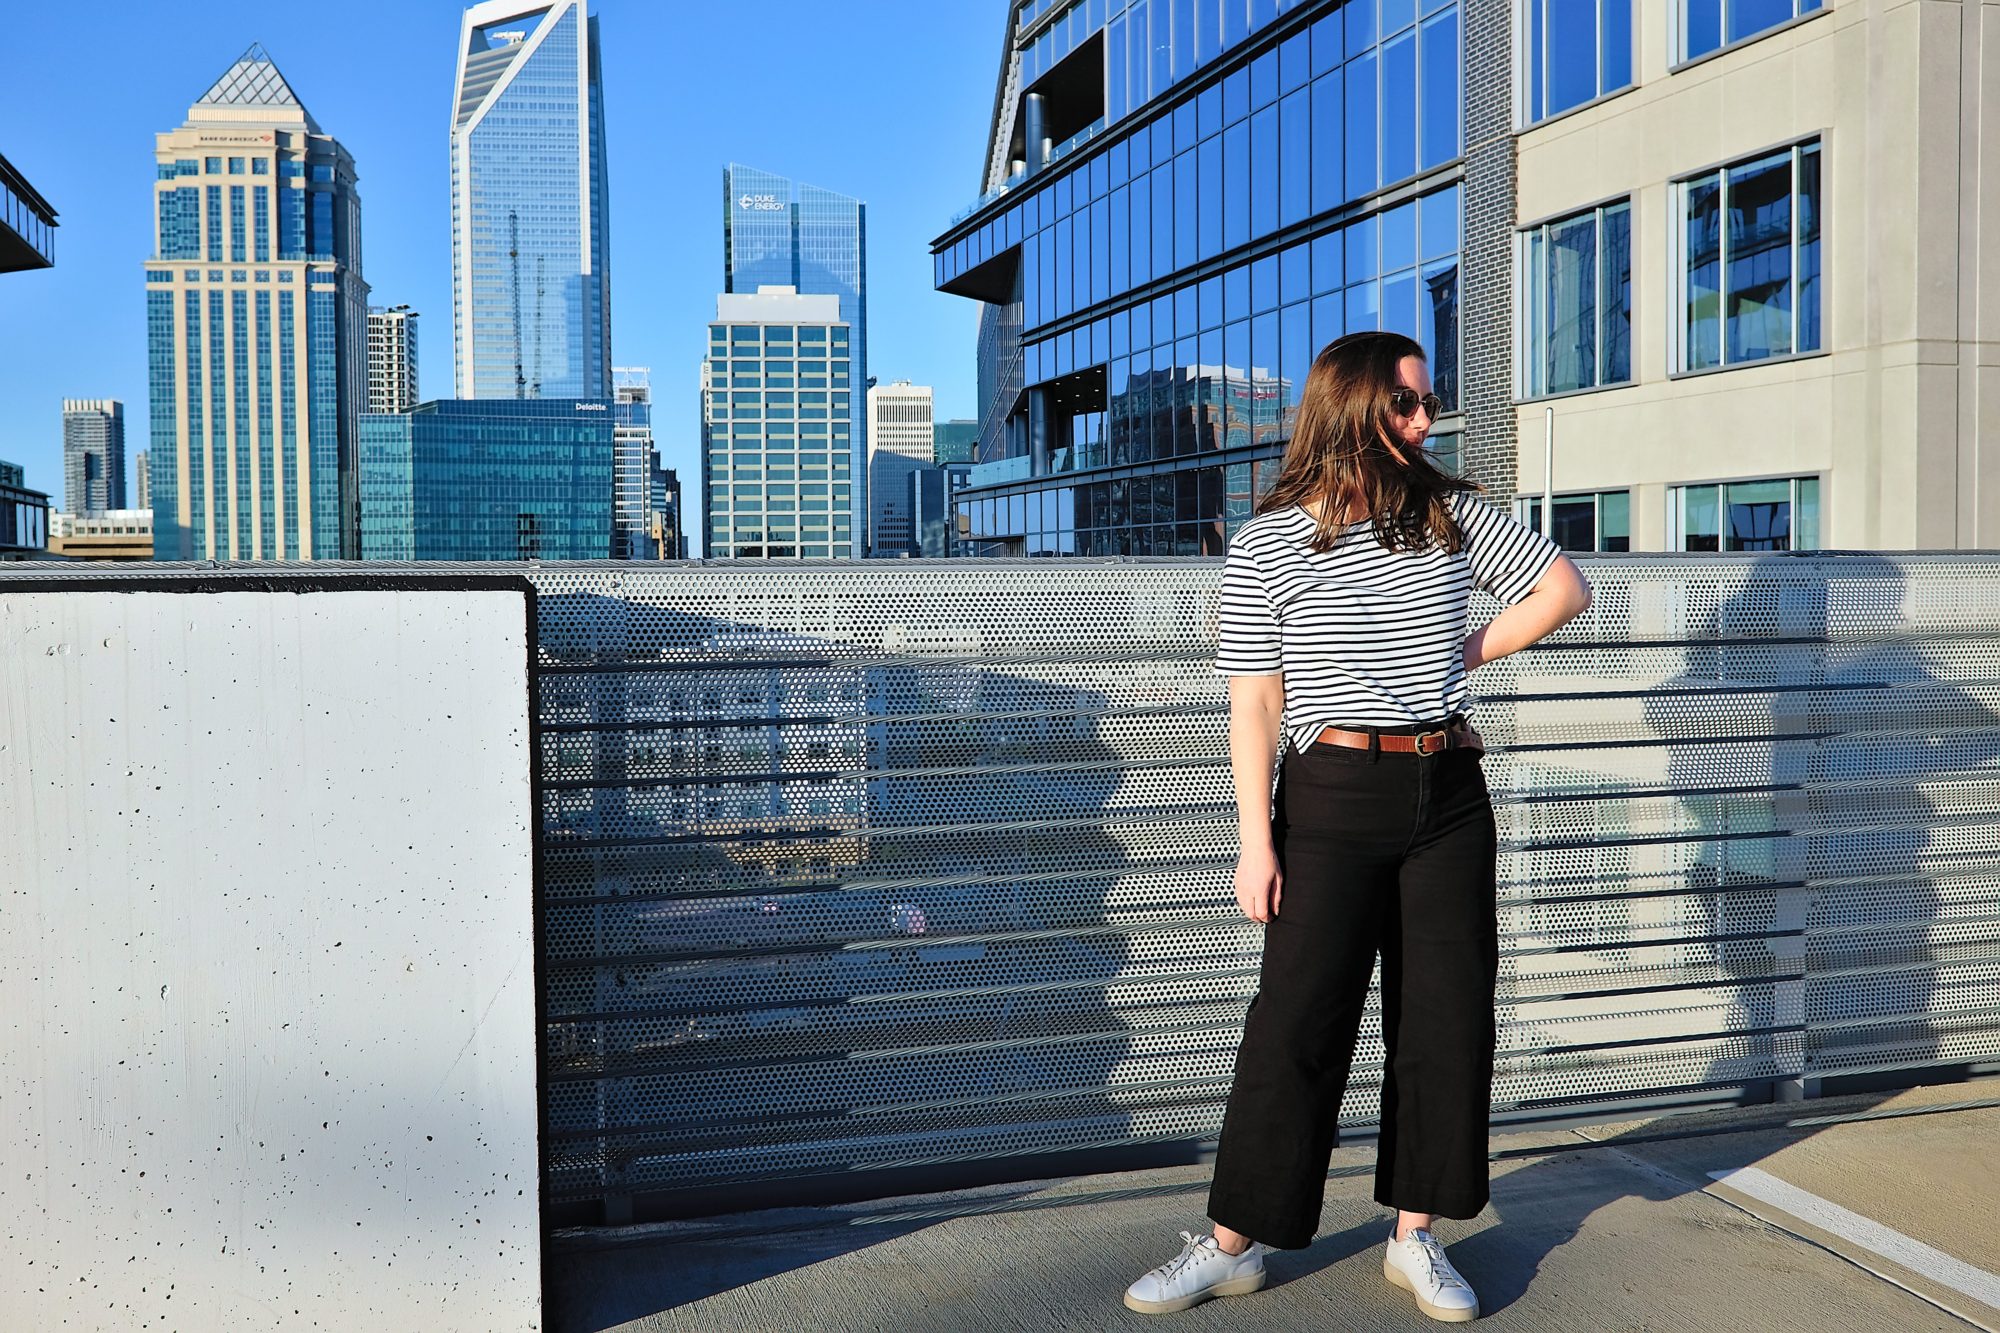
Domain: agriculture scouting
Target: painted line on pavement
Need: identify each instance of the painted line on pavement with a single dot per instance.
(1869, 1235)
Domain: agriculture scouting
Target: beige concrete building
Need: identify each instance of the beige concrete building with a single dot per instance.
(256, 327)
(1890, 408)
(901, 440)
(115, 534)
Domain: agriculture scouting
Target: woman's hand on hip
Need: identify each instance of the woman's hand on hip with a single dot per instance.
(1259, 883)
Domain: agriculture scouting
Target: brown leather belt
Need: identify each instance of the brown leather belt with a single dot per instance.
(1459, 734)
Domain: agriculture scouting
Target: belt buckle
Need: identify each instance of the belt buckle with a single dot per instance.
(1423, 741)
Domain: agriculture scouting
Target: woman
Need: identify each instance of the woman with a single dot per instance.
(1343, 615)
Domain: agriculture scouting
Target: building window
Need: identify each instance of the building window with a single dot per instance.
(1576, 306)
(1747, 260)
(1710, 25)
(1776, 515)
(1576, 50)
(1601, 521)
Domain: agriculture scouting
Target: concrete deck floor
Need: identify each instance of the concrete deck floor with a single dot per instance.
(1612, 1227)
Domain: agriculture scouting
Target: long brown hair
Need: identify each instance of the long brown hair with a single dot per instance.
(1339, 452)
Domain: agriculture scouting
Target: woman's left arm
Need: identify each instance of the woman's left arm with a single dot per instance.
(1559, 597)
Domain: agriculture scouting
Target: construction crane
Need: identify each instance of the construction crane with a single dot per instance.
(539, 260)
(514, 262)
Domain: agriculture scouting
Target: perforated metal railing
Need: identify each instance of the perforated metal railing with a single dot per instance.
(859, 867)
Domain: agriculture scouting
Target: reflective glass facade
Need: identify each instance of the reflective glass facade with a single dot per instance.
(1776, 515)
(256, 375)
(487, 479)
(1710, 25)
(1576, 307)
(1748, 260)
(1576, 51)
(1589, 522)
(1199, 195)
(530, 222)
(775, 233)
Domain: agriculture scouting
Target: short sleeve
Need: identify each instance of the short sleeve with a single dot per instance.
(1508, 557)
(1247, 640)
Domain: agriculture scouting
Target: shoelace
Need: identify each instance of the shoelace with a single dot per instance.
(1441, 1271)
(1175, 1264)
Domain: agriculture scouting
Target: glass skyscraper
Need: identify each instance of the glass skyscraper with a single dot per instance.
(256, 321)
(1186, 199)
(530, 215)
(815, 242)
(488, 479)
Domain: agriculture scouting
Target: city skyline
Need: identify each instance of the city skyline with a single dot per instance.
(393, 116)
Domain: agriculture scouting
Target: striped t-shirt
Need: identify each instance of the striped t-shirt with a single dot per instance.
(1364, 635)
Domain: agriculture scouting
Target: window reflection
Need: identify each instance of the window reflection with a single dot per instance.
(1749, 260)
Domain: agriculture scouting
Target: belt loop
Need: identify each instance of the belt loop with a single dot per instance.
(1374, 744)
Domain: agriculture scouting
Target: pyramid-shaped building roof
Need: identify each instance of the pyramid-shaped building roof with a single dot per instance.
(251, 85)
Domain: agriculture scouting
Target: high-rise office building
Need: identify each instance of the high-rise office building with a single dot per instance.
(900, 441)
(488, 479)
(256, 317)
(776, 455)
(1173, 184)
(392, 358)
(27, 224)
(93, 455)
(633, 462)
(665, 528)
(1185, 199)
(956, 441)
(530, 205)
(816, 242)
(142, 481)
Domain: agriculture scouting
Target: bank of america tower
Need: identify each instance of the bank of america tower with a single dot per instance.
(256, 329)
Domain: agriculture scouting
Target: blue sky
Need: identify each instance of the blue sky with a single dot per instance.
(886, 100)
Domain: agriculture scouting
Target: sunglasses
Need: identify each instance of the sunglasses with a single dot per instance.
(1405, 401)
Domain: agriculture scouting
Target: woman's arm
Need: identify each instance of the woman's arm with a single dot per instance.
(1560, 596)
(1256, 704)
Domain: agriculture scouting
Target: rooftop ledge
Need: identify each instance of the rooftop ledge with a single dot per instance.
(705, 887)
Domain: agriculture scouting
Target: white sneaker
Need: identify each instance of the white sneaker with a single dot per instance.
(1202, 1269)
(1418, 1265)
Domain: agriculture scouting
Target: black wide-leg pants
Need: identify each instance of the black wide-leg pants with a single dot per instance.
(1380, 852)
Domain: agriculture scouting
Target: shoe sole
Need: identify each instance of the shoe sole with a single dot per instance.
(1240, 1286)
(1437, 1312)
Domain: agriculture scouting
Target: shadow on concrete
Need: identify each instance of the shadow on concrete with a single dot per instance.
(843, 930)
(1788, 877)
